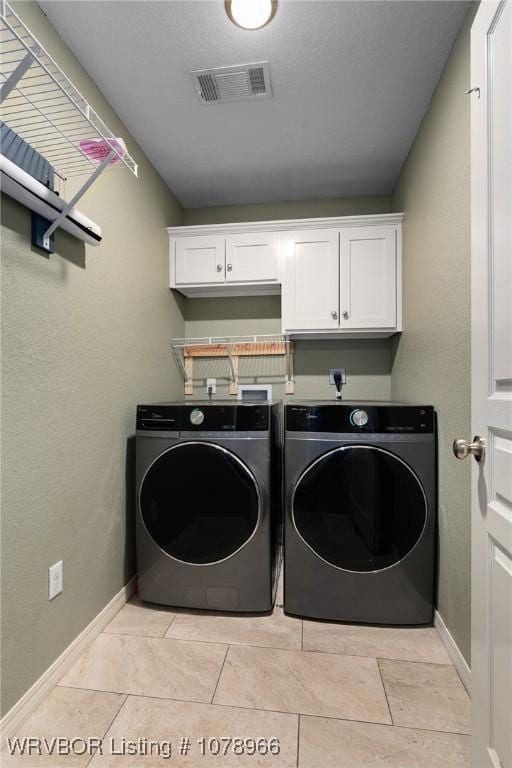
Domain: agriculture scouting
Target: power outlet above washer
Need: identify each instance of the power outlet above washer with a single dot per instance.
(343, 372)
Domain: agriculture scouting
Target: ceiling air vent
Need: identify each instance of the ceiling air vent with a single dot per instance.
(246, 81)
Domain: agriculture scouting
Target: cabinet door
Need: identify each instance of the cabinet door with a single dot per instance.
(368, 277)
(251, 258)
(199, 260)
(310, 286)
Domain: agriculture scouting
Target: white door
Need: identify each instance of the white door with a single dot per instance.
(368, 277)
(252, 258)
(310, 289)
(491, 352)
(199, 260)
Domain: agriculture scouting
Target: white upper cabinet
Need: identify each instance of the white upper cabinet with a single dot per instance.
(346, 281)
(368, 277)
(199, 260)
(252, 258)
(310, 294)
(237, 264)
(339, 277)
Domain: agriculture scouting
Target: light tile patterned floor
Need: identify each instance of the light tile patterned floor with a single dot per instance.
(333, 695)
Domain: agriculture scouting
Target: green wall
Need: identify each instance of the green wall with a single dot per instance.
(295, 209)
(368, 362)
(85, 336)
(432, 356)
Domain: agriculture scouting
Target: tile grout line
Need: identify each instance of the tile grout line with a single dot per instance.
(220, 674)
(109, 726)
(298, 740)
(176, 640)
(212, 642)
(278, 648)
(169, 625)
(365, 722)
(449, 663)
(415, 661)
(384, 658)
(274, 711)
(385, 692)
(142, 637)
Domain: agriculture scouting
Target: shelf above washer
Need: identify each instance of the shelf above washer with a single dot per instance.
(232, 347)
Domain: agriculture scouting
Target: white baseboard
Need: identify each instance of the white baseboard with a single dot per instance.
(22, 710)
(454, 652)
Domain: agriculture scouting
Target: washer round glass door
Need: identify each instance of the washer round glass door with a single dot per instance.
(199, 503)
(359, 508)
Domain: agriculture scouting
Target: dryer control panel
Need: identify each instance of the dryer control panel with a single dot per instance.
(347, 417)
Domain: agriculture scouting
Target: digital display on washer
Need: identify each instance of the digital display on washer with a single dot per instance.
(158, 418)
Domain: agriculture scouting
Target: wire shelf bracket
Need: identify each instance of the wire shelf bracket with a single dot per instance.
(74, 200)
(43, 107)
(232, 348)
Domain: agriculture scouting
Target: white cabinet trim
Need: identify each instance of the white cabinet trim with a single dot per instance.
(285, 225)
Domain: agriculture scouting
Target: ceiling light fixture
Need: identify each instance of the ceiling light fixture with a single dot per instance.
(251, 14)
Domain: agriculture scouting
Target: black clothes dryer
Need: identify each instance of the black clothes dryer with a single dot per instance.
(360, 520)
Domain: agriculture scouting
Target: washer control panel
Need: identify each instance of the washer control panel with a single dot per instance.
(352, 417)
(207, 417)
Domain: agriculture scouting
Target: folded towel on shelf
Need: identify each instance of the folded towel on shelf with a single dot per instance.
(99, 149)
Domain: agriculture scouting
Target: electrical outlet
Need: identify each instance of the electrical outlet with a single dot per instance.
(343, 372)
(54, 580)
(213, 384)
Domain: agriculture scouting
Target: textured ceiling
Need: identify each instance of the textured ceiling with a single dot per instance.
(351, 82)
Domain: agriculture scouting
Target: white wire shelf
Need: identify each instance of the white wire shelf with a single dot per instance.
(42, 105)
(232, 347)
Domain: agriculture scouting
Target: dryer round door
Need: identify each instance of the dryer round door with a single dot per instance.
(359, 508)
(199, 503)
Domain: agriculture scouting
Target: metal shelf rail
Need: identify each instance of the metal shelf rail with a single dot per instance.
(232, 347)
(42, 106)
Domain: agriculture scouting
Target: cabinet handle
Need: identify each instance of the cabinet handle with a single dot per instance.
(334, 314)
(345, 315)
(219, 267)
(230, 267)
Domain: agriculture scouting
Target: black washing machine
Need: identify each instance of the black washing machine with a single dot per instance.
(208, 480)
(360, 520)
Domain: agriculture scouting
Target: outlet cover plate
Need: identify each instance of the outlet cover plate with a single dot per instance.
(343, 372)
(54, 580)
(213, 384)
